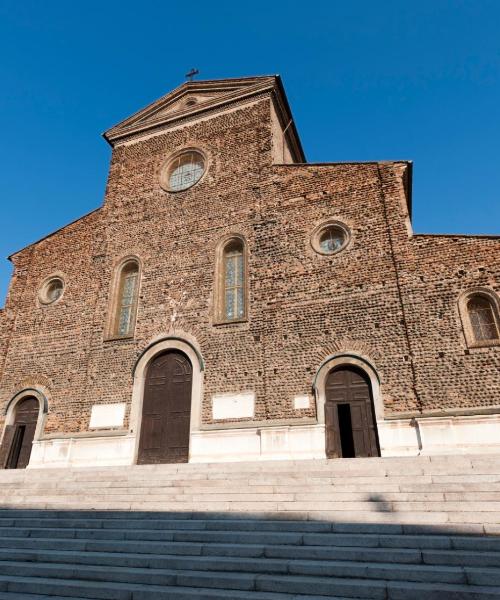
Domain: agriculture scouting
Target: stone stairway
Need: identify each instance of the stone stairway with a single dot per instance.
(390, 528)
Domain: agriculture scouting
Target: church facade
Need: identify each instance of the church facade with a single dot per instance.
(230, 301)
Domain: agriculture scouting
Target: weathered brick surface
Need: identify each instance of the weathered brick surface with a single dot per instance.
(388, 296)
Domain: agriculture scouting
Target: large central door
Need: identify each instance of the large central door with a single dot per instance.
(349, 415)
(166, 410)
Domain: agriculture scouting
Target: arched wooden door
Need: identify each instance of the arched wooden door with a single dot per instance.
(349, 415)
(19, 436)
(166, 410)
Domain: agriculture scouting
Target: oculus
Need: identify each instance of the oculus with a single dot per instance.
(330, 238)
(183, 171)
(51, 291)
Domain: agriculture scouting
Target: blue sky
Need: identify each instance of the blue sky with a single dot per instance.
(366, 81)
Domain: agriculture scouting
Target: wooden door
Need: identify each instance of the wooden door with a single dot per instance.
(349, 415)
(21, 433)
(166, 411)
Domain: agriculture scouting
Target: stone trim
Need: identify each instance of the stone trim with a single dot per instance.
(165, 168)
(218, 313)
(189, 349)
(110, 332)
(339, 360)
(463, 300)
(314, 238)
(35, 392)
(41, 297)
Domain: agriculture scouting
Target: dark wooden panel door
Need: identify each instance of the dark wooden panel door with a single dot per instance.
(349, 417)
(166, 411)
(22, 433)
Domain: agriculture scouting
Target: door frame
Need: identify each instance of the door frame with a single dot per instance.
(160, 346)
(370, 419)
(343, 360)
(43, 409)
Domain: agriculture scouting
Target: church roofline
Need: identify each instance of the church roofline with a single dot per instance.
(484, 236)
(229, 91)
(346, 162)
(52, 233)
(409, 172)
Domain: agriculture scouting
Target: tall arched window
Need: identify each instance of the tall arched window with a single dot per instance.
(125, 303)
(232, 281)
(483, 318)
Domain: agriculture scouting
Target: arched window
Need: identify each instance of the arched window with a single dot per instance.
(125, 303)
(232, 281)
(480, 313)
(483, 318)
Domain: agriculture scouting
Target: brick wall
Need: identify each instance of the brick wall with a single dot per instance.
(388, 296)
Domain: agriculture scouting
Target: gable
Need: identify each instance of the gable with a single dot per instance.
(194, 98)
(189, 100)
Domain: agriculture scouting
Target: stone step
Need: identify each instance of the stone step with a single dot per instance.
(486, 521)
(295, 586)
(268, 502)
(413, 528)
(24, 526)
(395, 483)
(388, 486)
(334, 468)
(164, 523)
(228, 553)
(346, 548)
(198, 579)
(166, 571)
(275, 521)
(250, 533)
(35, 588)
(261, 556)
(295, 510)
(369, 466)
(160, 521)
(17, 596)
(261, 493)
(115, 515)
(449, 462)
(361, 521)
(330, 533)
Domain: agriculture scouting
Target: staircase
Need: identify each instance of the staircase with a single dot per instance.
(389, 528)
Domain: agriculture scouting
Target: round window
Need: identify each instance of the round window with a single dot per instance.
(330, 238)
(183, 171)
(52, 290)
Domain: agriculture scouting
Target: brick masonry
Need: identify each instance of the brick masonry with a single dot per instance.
(390, 296)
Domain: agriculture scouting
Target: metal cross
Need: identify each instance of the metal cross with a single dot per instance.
(191, 74)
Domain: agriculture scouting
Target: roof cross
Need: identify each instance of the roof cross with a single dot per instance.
(191, 74)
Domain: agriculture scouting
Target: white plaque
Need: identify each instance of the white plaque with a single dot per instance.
(107, 415)
(301, 402)
(233, 406)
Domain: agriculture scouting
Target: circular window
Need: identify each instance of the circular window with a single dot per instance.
(183, 171)
(330, 238)
(51, 291)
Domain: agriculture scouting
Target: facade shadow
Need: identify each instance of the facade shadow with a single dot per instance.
(133, 555)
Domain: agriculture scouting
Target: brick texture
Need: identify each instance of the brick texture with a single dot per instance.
(389, 296)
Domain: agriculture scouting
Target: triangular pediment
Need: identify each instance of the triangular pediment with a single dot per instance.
(190, 99)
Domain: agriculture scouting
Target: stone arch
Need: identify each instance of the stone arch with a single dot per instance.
(463, 302)
(159, 346)
(344, 359)
(116, 279)
(32, 392)
(8, 434)
(218, 293)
